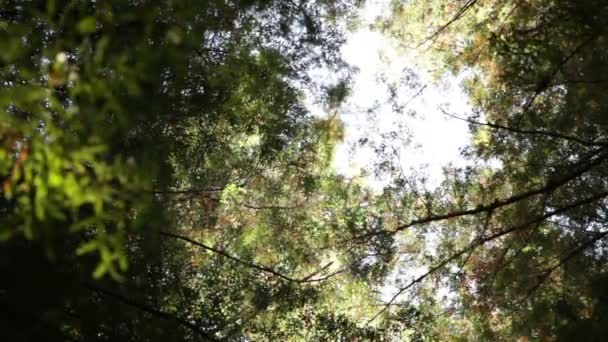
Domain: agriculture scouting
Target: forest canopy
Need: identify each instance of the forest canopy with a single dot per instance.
(163, 177)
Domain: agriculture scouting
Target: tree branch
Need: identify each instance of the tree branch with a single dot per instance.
(262, 268)
(461, 12)
(158, 313)
(551, 185)
(544, 83)
(547, 273)
(524, 131)
(484, 240)
(185, 191)
(486, 225)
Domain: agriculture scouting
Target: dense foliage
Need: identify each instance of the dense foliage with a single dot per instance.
(162, 179)
(522, 230)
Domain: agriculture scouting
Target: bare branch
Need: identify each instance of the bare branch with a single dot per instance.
(551, 185)
(185, 191)
(459, 14)
(524, 131)
(418, 93)
(272, 207)
(265, 269)
(484, 240)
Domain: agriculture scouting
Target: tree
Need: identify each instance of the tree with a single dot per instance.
(522, 232)
(162, 179)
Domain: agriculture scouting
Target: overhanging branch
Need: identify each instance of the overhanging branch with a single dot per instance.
(593, 160)
(525, 131)
(262, 268)
(484, 240)
(155, 312)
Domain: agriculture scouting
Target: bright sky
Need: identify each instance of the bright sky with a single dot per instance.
(425, 141)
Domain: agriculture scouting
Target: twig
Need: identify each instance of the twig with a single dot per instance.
(524, 131)
(266, 269)
(461, 12)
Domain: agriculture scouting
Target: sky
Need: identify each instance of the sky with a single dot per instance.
(426, 139)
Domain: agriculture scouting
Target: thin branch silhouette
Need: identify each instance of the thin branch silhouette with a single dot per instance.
(307, 279)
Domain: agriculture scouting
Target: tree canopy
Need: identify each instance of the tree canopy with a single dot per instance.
(522, 231)
(162, 177)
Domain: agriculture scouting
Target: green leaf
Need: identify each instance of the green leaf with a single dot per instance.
(5, 233)
(87, 25)
(87, 247)
(100, 270)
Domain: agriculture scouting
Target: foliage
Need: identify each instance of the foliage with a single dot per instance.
(164, 149)
(521, 233)
(162, 178)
